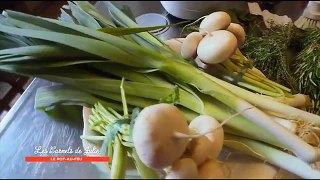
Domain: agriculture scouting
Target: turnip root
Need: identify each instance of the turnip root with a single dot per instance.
(199, 149)
(190, 44)
(238, 31)
(175, 44)
(201, 64)
(215, 21)
(184, 168)
(217, 46)
(153, 135)
(204, 123)
(211, 169)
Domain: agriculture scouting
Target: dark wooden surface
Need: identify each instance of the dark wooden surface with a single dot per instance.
(39, 8)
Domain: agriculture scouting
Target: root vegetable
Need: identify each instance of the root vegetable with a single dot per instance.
(200, 149)
(238, 31)
(184, 168)
(215, 21)
(153, 135)
(201, 64)
(175, 44)
(204, 123)
(217, 46)
(211, 169)
(190, 44)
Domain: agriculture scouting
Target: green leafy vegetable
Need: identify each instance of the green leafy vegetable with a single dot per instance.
(270, 53)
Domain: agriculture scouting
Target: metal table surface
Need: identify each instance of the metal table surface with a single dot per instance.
(25, 128)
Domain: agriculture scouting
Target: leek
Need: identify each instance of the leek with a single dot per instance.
(272, 155)
(199, 92)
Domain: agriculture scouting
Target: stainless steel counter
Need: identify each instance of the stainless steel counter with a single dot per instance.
(25, 128)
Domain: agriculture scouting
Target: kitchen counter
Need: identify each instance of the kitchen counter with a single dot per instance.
(24, 128)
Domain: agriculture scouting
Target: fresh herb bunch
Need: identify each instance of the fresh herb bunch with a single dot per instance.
(289, 56)
(272, 53)
(307, 67)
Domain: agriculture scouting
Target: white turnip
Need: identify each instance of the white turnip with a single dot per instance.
(175, 44)
(215, 21)
(199, 149)
(154, 135)
(184, 168)
(217, 47)
(205, 123)
(190, 44)
(238, 31)
(211, 169)
(161, 135)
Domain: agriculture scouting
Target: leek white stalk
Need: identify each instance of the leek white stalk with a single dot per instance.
(298, 100)
(269, 104)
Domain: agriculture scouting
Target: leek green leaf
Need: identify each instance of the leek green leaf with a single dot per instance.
(119, 31)
(83, 18)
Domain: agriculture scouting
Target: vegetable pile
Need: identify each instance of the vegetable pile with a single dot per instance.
(97, 60)
(173, 148)
(294, 52)
(214, 48)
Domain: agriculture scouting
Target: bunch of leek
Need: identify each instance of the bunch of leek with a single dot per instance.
(96, 61)
(117, 139)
